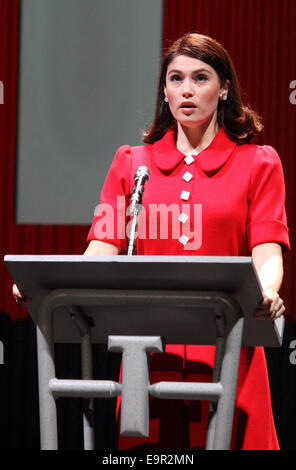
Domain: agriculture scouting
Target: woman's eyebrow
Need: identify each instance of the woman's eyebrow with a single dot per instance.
(194, 71)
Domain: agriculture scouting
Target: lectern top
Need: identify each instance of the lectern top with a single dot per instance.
(37, 275)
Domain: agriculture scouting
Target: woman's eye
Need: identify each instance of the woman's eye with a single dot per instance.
(175, 78)
(202, 78)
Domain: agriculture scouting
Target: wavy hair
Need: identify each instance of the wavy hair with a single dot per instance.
(239, 121)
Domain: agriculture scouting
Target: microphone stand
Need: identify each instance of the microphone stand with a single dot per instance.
(133, 230)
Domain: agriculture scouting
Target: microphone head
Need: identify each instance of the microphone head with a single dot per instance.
(142, 172)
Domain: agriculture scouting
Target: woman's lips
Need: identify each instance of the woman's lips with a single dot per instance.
(187, 107)
(187, 110)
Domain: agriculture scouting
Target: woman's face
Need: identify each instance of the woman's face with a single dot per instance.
(193, 90)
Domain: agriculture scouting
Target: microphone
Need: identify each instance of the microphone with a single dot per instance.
(141, 177)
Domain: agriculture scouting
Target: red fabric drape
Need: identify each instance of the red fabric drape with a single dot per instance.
(260, 36)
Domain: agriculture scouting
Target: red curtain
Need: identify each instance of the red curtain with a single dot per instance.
(260, 36)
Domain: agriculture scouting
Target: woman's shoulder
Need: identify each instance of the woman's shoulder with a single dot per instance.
(126, 150)
(132, 156)
(134, 151)
(259, 154)
(123, 151)
(122, 158)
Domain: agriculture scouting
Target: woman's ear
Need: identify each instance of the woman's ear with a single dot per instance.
(225, 89)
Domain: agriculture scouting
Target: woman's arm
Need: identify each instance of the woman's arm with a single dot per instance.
(98, 248)
(268, 261)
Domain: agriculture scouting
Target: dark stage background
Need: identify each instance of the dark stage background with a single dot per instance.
(260, 36)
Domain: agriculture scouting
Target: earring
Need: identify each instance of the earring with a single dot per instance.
(224, 97)
(166, 99)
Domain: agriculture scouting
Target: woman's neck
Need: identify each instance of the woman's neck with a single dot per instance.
(192, 141)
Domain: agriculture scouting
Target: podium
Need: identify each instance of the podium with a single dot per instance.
(136, 305)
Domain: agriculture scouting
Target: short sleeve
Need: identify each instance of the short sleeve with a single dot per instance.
(267, 221)
(110, 220)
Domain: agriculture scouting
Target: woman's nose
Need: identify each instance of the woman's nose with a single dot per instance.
(187, 88)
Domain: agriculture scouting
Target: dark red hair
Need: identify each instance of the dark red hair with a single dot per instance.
(238, 120)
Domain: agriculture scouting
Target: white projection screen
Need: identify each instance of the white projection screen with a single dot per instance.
(88, 73)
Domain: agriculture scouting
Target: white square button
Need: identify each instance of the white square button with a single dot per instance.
(185, 195)
(183, 239)
(189, 159)
(183, 218)
(187, 176)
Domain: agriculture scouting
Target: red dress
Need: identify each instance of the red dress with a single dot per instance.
(221, 202)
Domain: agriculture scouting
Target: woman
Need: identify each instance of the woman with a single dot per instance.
(229, 197)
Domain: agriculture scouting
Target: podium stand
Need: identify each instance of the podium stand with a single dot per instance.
(136, 304)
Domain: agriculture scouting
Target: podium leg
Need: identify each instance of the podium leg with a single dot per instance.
(88, 406)
(228, 379)
(46, 372)
(220, 345)
(87, 374)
